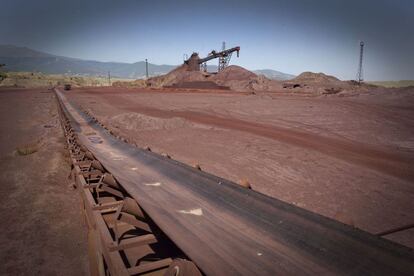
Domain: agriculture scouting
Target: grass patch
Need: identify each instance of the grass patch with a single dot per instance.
(27, 149)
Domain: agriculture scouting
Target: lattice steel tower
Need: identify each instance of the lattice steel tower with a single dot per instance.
(360, 77)
(224, 60)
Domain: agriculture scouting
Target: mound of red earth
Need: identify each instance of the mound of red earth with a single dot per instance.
(234, 72)
(316, 77)
(177, 76)
(320, 83)
(240, 79)
(233, 77)
(237, 78)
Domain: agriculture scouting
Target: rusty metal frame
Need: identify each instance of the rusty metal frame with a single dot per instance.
(108, 210)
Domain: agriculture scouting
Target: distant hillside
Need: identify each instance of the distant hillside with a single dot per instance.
(22, 59)
(12, 51)
(274, 75)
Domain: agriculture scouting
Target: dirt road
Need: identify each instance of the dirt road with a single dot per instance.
(41, 224)
(349, 159)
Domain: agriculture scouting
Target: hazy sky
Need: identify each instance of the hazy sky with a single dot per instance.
(289, 36)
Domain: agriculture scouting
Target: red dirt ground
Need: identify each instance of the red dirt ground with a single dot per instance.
(348, 158)
(42, 230)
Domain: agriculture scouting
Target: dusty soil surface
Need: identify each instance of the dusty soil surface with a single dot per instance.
(348, 158)
(42, 230)
(233, 77)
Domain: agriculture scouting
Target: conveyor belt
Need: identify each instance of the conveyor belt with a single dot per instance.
(229, 230)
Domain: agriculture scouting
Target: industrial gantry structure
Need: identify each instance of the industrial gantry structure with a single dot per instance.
(195, 63)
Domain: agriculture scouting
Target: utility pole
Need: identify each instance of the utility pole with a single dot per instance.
(360, 77)
(146, 68)
(109, 78)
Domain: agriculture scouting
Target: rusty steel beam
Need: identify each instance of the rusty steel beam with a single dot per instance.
(226, 229)
(223, 53)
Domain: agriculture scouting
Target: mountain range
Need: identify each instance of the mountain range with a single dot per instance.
(18, 59)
